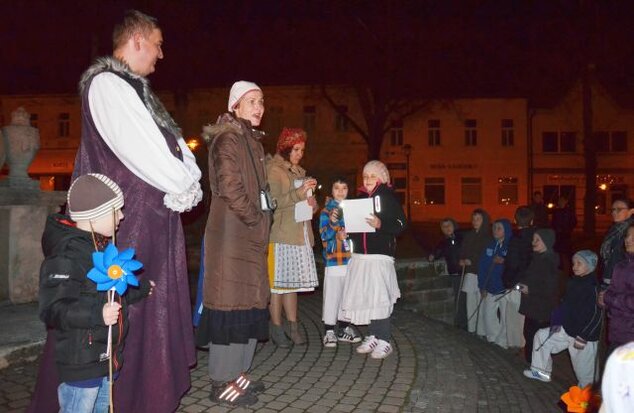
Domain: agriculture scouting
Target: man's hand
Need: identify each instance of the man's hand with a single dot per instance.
(465, 262)
(110, 313)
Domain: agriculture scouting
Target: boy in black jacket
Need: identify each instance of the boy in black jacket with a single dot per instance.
(516, 262)
(580, 329)
(70, 303)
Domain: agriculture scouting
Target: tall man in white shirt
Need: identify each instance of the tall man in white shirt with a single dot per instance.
(128, 135)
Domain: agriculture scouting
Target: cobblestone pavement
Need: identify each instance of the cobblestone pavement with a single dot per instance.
(434, 368)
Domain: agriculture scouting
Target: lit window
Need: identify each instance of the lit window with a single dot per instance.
(507, 190)
(433, 132)
(472, 191)
(434, 191)
(470, 132)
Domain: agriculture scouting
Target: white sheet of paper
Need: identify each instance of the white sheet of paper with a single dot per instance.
(355, 212)
(303, 211)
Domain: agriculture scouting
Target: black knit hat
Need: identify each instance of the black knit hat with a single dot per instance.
(92, 196)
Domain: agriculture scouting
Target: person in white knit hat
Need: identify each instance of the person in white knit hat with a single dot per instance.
(371, 289)
(235, 294)
(70, 304)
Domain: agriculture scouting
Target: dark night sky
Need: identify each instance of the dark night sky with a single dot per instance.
(433, 48)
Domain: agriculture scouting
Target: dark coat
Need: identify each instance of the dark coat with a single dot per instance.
(581, 314)
(474, 243)
(71, 305)
(449, 249)
(393, 222)
(237, 232)
(541, 278)
(518, 257)
(619, 300)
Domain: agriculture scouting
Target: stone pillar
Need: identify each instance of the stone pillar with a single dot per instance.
(22, 218)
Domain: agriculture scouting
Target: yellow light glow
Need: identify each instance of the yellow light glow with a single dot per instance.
(551, 205)
(193, 143)
(603, 187)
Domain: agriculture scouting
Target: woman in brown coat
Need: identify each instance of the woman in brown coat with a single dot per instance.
(235, 288)
(291, 259)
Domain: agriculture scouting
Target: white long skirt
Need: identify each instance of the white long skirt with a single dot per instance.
(370, 290)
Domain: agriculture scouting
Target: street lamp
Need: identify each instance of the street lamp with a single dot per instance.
(407, 151)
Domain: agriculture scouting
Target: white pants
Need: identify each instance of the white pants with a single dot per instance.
(513, 320)
(582, 360)
(494, 327)
(470, 288)
(334, 280)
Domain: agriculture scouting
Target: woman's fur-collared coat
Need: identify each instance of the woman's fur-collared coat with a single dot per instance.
(237, 232)
(282, 176)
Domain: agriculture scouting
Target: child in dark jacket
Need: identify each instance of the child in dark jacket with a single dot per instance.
(449, 249)
(539, 287)
(491, 266)
(371, 288)
(580, 329)
(70, 303)
(517, 259)
(473, 245)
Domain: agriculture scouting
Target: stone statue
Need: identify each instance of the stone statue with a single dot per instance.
(21, 143)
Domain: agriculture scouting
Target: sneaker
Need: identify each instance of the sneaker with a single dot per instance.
(252, 386)
(537, 375)
(349, 335)
(369, 342)
(382, 350)
(231, 394)
(330, 339)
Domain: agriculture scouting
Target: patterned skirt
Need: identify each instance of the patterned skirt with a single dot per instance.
(292, 267)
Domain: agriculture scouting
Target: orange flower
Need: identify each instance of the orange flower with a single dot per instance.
(580, 400)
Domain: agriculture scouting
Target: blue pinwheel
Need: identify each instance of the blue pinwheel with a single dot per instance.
(114, 269)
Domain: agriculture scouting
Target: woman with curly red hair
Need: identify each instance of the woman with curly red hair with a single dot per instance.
(291, 260)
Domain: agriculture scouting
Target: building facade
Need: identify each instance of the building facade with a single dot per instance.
(459, 154)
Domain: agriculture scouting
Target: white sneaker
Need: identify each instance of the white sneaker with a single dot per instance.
(382, 350)
(368, 345)
(349, 335)
(330, 339)
(537, 375)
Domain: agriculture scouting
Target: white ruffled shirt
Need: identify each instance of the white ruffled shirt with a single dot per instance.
(128, 129)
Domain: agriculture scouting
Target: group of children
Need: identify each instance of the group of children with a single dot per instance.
(360, 285)
(510, 284)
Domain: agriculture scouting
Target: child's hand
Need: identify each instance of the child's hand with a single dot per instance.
(334, 215)
(152, 285)
(579, 343)
(110, 313)
(498, 260)
(600, 300)
(465, 262)
(374, 221)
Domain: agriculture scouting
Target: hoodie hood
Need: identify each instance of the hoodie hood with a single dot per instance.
(548, 236)
(508, 231)
(59, 231)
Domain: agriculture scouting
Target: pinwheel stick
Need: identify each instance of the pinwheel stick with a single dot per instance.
(109, 351)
